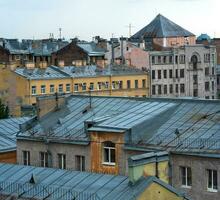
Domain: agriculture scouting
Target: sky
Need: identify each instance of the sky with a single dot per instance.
(87, 18)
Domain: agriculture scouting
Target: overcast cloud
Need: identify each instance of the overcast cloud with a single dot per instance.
(87, 18)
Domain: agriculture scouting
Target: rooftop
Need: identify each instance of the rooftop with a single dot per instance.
(91, 48)
(42, 183)
(54, 72)
(8, 130)
(161, 27)
(179, 124)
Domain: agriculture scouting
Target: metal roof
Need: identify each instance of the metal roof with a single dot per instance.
(8, 130)
(54, 72)
(167, 123)
(57, 184)
(91, 48)
(161, 27)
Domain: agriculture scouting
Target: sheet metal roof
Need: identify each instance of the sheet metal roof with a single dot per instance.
(66, 185)
(54, 72)
(8, 130)
(91, 48)
(167, 123)
(33, 47)
(161, 27)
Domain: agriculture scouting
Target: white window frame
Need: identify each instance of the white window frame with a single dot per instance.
(67, 88)
(63, 160)
(34, 88)
(84, 87)
(76, 87)
(212, 189)
(59, 88)
(81, 163)
(186, 177)
(52, 88)
(43, 89)
(109, 155)
(91, 86)
(45, 161)
(26, 158)
(99, 86)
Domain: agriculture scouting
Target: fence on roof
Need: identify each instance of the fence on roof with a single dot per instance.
(38, 191)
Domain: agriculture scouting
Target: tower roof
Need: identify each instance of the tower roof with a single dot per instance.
(161, 27)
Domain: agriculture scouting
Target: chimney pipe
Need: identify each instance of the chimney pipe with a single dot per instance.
(113, 53)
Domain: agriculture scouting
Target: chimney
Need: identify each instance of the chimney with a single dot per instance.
(113, 53)
(48, 104)
(149, 164)
(122, 50)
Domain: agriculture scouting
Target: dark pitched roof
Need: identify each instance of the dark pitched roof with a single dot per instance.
(43, 183)
(161, 27)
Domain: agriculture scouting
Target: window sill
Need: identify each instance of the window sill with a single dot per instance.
(186, 187)
(212, 190)
(109, 164)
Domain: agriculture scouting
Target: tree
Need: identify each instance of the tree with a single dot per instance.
(4, 111)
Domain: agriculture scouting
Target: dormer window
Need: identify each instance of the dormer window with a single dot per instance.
(108, 153)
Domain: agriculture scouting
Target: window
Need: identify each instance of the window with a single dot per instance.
(153, 89)
(80, 163)
(26, 157)
(207, 71)
(109, 153)
(60, 89)
(177, 73)
(136, 84)
(176, 59)
(182, 88)
(113, 85)
(213, 71)
(143, 83)
(182, 73)
(62, 161)
(153, 59)
(43, 89)
(76, 87)
(207, 58)
(106, 85)
(159, 89)
(206, 86)
(171, 59)
(68, 87)
(84, 87)
(213, 58)
(165, 89)
(171, 88)
(171, 73)
(120, 84)
(128, 84)
(195, 92)
(159, 74)
(195, 79)
(213, 85)
(165, 73)
(52, 89)
(33, 90)
(206, 97)
(186, 176)
(159, 59)
(182, 59)
(212, 182)
(43, 159)
(153, 74)
(194, 61)
(164, 59)
(99, 86)
(91, 87)
(177, 88)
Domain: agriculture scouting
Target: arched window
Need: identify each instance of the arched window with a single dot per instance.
(109, 153)
(194, 61)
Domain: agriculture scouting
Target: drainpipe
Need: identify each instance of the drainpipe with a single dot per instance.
(156, 168)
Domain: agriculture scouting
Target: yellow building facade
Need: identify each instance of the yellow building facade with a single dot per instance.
(28, 84)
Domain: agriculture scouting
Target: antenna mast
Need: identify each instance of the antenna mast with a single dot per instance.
(130, 29)
(60, 30)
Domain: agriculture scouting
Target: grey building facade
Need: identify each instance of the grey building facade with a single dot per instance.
(188, 71)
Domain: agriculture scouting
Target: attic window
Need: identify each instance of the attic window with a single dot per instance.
(108, 153)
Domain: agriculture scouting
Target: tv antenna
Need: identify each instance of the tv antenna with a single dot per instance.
(60, 30)
(130, 29)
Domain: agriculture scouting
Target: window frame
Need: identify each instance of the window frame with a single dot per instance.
(110, 149)
(61, 160)
(80, 163)
(186, 177)
(26, 158)
(212, 189)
